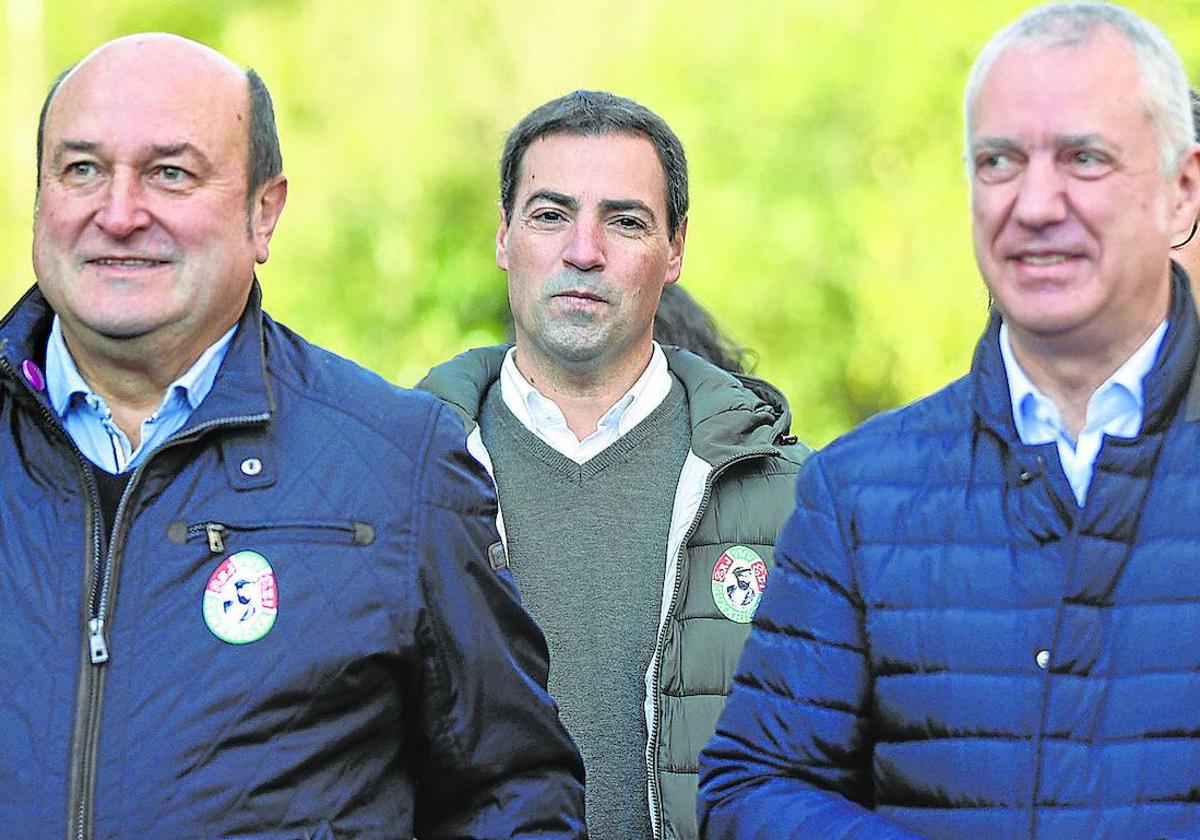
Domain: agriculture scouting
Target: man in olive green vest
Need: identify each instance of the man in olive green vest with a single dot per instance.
(641, 487)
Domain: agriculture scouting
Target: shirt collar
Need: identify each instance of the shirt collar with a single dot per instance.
(538, 413)
(64, 381)
(1034, 413)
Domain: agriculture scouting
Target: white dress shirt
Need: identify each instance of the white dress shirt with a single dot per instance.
(1115, 409)
(545, 419)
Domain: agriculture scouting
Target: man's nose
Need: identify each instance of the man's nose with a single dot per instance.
(1041, 194)
(585, 250)
(123, 210)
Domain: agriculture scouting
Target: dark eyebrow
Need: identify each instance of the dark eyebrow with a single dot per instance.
(174, 149)
(158, 150)
(168, 150)
(73, 146)
(558, 198)
(609, 205)
(618, 205)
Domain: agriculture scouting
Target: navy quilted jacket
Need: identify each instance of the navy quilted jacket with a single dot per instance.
(952, 648)
(399, 688)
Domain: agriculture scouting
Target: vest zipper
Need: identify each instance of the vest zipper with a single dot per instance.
(656, 807)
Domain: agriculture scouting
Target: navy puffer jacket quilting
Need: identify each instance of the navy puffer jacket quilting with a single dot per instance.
(400, 688)
(951, 648)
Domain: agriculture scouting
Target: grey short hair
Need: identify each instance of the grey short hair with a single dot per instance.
(1164, 80)
(1196, 111)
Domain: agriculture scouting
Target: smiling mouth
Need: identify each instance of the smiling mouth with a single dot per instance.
(126, 262)
(1045, 259)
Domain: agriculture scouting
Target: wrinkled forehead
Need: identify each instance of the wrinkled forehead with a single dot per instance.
(612, 165)
(151, 90)
(1088, 87)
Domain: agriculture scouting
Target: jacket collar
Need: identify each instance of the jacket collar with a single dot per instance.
(729, 415)
(1173, 376)
(463, 382)
(241, 391)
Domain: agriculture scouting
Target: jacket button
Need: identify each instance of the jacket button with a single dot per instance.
(251, 466)
(1042, 659)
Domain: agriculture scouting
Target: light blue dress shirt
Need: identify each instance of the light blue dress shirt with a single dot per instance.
(1115, 409)
(88, 420)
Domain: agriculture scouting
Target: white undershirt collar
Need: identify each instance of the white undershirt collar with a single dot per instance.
(545, 419)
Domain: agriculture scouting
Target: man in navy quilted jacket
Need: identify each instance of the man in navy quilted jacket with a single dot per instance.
(986, 614)
(246, 588)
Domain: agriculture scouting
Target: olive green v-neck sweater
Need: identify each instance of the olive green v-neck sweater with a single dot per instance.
(587, 545)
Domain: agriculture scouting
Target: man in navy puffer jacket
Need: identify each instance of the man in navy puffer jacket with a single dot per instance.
(246, 584)
(985, 617)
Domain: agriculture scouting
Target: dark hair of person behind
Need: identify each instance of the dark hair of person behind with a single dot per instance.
(265, 158)
(681, 321)
(590, 113)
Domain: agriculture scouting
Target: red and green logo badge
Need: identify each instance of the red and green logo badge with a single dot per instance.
(738, 581)
(241, 599)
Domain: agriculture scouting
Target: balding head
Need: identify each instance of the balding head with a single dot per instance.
(133, 50)
(136, 51)
(146, 233)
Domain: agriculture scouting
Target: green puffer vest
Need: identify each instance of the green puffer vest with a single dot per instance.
(747, 461)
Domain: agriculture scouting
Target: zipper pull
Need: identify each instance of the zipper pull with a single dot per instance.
(215, 543)
(96, 641)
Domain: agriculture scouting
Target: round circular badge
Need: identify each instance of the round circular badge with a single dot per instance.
(738, 581)
(241, 599)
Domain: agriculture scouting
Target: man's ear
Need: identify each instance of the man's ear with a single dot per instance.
(501, 236)
(264, 215)
(1187, 196)
(675, 260)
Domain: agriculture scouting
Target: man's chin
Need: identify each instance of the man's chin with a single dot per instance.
(576, 347)
(121, 329)
(580, 357)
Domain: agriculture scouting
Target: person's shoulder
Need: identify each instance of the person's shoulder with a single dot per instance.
(727, 409)
(901, 439)
(479, 364)
(463, 381)
(319, 380)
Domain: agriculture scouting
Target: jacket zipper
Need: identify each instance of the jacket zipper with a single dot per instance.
(358, 533)
(98, 575)
(656, 807)
(91, 680)
(84, 757)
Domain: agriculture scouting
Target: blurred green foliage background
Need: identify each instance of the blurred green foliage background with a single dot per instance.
(829, 228)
